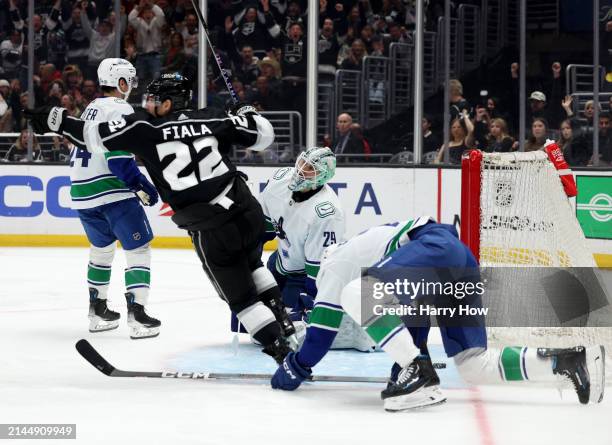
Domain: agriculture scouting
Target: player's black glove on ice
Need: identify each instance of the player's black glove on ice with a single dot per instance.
(45, 119)
(241, 109)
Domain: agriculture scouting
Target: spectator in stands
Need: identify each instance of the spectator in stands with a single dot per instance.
(605, 139)
(565, 139)
(378, 46)
(363, 145)
(293, 64)
(76, 38)
(173, 58)
(461, 139)
(60, 150)
(262, 96)
(56, 91)
(247, 66)
(11, 51)
(346, 141)
(270, 69)
(431, 142)
(539, 130)
(482, 122)
(293, 15)
(148, 20)
(588, 111)
(458, 103)
(6, 112)
(18, 152)
(328, 47)
(102, 42)
(48, 75)
(256, 29)
(69, 104)
(41, 29)
(397, 34)
(498, 139)
(190, 31)
(240, 90)
(355, 59)
(90, 92)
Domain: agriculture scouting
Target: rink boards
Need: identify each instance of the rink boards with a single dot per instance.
(35, 203)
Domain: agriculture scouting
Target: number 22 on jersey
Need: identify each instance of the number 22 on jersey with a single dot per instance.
(210, 165)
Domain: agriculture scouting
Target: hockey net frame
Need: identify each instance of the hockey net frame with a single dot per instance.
(478, 171)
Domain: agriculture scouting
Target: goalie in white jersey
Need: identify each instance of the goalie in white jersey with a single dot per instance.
(105, 191)
(387, 252)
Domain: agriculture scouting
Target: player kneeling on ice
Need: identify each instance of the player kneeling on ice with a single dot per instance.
(185, 152)
(304, 213)
(413, 383)
(104, 190)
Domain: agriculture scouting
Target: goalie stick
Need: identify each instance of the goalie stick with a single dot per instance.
(89, 353)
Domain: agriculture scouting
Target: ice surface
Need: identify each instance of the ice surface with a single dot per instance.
(43, 312)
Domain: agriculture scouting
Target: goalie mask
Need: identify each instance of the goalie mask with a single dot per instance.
(313, 168)
(110, 71)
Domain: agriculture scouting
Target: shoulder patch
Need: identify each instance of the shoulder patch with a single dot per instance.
(325, 209)
(280, 173)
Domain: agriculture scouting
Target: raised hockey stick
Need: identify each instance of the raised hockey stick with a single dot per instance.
(226, 79)
(89, 353)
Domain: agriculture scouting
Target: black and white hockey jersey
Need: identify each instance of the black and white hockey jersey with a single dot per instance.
(186, 152)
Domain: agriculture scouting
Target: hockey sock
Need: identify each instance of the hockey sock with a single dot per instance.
(260, 322)
(494, 365)
(138, 273)
(388, 331)
(518, 363)
(99, 268)
(264, 280)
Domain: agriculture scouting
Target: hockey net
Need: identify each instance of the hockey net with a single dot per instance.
(514, 213)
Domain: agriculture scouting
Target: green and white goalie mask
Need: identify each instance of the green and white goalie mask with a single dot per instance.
(313, 168)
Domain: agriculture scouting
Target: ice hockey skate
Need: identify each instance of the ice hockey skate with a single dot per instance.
(415, 386)
(101, 318)
(141, 325)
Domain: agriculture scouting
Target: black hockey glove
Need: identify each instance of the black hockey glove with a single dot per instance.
(242, 109)
(45, 119)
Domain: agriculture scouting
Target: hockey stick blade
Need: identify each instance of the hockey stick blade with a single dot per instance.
(89, 353)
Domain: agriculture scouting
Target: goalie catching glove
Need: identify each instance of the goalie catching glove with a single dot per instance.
(46, 119)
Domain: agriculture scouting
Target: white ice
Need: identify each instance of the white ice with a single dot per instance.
(43, 312)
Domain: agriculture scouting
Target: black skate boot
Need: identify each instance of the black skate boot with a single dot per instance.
(101, 318)
(278, 350)
(141, 325)
(415, 386)
(584, 367)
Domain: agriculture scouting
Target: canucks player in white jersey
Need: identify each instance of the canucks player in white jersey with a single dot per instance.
(106, 191)
(386, 252)
(304, 214)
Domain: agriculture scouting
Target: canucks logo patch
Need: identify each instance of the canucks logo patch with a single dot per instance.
(325, 209)
(281, 172)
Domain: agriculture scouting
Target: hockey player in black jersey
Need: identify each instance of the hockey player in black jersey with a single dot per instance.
(185, 152)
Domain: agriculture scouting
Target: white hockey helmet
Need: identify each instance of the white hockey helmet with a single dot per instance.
(112, 69)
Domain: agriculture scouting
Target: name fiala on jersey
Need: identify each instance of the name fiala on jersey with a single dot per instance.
(185, 131)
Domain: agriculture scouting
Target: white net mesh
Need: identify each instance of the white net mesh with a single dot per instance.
(527, 220)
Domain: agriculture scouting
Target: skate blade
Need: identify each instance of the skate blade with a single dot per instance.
(137, 333)
(96, 324)
(420, 399)
(596, 364)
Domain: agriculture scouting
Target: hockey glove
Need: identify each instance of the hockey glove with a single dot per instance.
(242, 109)
(290, 374)
(146, 192)
(45, 119)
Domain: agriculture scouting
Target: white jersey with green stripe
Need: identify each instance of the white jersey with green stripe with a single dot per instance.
(343, 263)
(304, 228)
(93, 183)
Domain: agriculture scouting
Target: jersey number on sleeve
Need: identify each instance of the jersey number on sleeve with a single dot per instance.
(210, 166)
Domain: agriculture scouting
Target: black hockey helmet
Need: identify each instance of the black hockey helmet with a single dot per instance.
(173, 86)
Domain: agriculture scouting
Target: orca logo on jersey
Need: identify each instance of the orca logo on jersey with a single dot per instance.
(185, 131)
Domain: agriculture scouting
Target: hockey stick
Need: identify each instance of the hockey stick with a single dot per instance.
(89, 353)
(224, 74)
